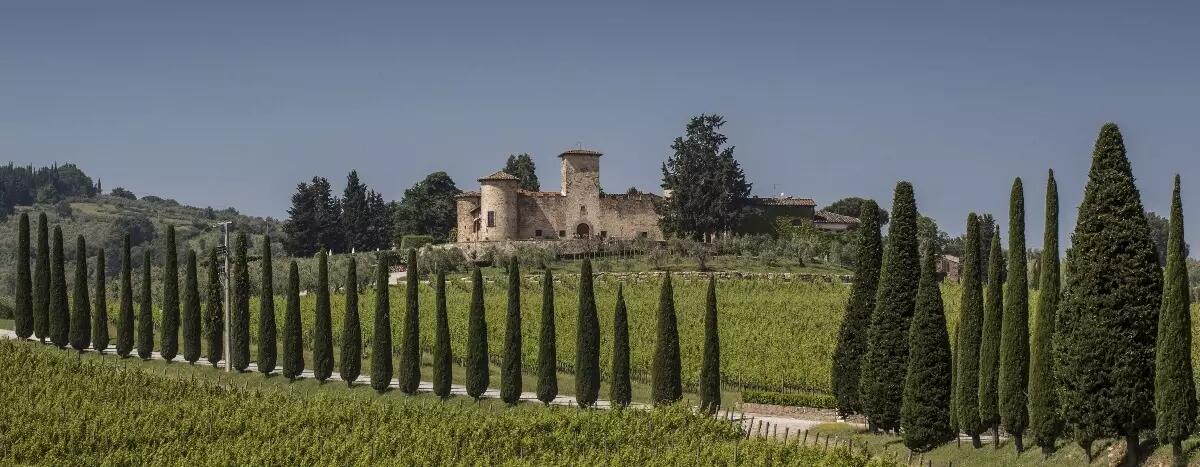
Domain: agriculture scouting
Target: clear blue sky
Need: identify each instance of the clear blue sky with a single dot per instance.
(233, 103)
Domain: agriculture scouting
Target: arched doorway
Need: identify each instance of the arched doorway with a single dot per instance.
(583, 231)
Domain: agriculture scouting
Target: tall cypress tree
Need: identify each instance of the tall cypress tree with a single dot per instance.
(293, 330)
(442, 357)
(852, 338)
(1106, 327)
(989, 346)
(547, 388)
(239, 316)
(23, 315)
(190, 318)
(924, 417)
(587, 341)
(41, 281)
(125, 311)
(622, 392)
(477, 351)
(322, 320)
(170, 306)
(510, 373)
(1013, 379)
(60, 312)
(710, 369)
(381, 337)
(882, 386)
(351, 364)
(267, 339)
(970, 328)
(145, 345)
(409, 373)
(214, 320)
(1174, 391)
(81, 312)
(1043, 402)
(100, 316)
(666, 385)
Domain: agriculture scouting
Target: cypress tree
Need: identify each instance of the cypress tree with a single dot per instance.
(1106, 327)
(547, 388)
(852, 338)
(100, 317)
(622, 392)
(666, 385)
(989, 346)
(351, 364)
(510, 373)
(1174, 391)
(1013, 379)
(477, 351)
(41, 281)
(293, 331)
(81, 311)
(924, 417)
(145, 346)
(170, 306)
(1044, 422)
(190, 318)
(322, 329)
(409, 373)
(954, 425)
(23, 315)
(710, 370)
(239, 326)
(267, 339)
(214, 321)
(125, 306)
(381, 337)
(442, 358)
(60, 312)
(882, 386)
(587, 341)
(970, 328)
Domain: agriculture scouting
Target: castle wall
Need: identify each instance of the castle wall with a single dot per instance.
(543, 213)
(465, 232)
(628, 216)
(500, 198)
(581, 188)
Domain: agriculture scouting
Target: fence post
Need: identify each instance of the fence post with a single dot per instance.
(805, 441)
(785, 434)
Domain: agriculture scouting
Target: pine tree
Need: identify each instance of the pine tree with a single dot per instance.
(267, 338)
(214, 320)
(409, 372)
(239, 316)
(125, 312)
(322, 322)
(666, 385)
(882, 383)
(81, 312)
(293, 330)
(170, 306)
(145, 335)
(710, 370)
(189, 322)
(1013, 378)
(60, 317)
(1044, 422)
(547, 388)
(23, 315)
(924, 417)
(989, 346)
(381, 337)
(100, 317)
(1174, 391)
(477, 351)
(442, 358)
(41, 281)
(1106, 327)
(852, 338)
(970, 328)
(510, 373)
(351, 364)
(587, 342)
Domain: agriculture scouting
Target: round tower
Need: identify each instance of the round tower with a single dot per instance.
(498, 217)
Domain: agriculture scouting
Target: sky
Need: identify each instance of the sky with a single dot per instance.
(229, 103)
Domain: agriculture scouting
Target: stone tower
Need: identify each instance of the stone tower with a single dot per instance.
(581, 191)
(499, 218)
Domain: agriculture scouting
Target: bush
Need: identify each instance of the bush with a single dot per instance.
(415, 241)
(431, 260)
(790, 399)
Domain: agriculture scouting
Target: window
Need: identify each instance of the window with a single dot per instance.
(644, 234)
(491, 218)
(603, 234)
(583, 210)
(537, 233)
(562, 233)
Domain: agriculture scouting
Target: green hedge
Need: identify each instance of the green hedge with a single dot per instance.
(415, 241)
(793, 399)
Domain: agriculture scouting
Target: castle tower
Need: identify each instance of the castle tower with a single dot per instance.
(581, 190)
(498, 216)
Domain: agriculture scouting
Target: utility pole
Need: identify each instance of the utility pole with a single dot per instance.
(225, 248)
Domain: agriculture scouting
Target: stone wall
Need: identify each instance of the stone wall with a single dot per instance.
(499, 197)
(467, 205)
(628, 216)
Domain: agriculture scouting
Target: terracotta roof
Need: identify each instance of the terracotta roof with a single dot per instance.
(580, 152)
(782, 201)
(468, 194)
(833, 218)
(501, 175)
(540, 194)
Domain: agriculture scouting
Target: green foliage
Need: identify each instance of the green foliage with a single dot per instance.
(989, 346)
(364, 219)
(170, 307)
(522, 167)
(477, 344)
(443, 359)
(856, 207)
(125, 311)
(412, 242)
(666, 385)
(969, 335)
(710, 372)
(1044, 422)
(791, 399)
(190, 318)
(587, 341)
(924, 417)
(381, 334)
(852, 337)
(314, 220)
(322, 323)
(1174, 388)
(214, 319)
(409, 373)
(25, 185)
(41, 281)
(60, 317)
(293, 330)
(621, 391)
(266, 311)
(547, 362)
(100, 313)
(510, 371)
(708, 187)
(81, 313)
(351, 361)
(23, 308)
(239, 340)
(145, 332)
(1013, 378)
(428, 208)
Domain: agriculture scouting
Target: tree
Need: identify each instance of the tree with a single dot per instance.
(355, 220)
(510, 373)
(190, 319)
(1160, 229)
(547, 388)
(409, 372)
(853, 206)
(970, 328)
(852, 338)
(381, 337)
(1044, 422)
(122, 193)
(170, 306)
(314, 220)
(989, 346)
(351, 364)
(239, 340)
(41, 281)
(710, 370)
(882, 383)
(1105, 331)
(379, 222)
(125, 310)
(214, 321)
(987, 227)
(60, 317)
(322, 326)
(145, 313)
(587, 341)
(442, 356)
(81, 312)
(522, 167)
(1013, 378)
(100, 317)
(477, 352)
(23, 316)
(666, 385)
(622, 392)
(708, 187)
(293, 330)
(1174, 391)
(924, 417)
(266, 311)
(428, 208)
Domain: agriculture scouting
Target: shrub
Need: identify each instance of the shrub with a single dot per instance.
(791, 399)
(415, 241)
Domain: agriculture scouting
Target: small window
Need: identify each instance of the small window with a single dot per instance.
(582, 210)
(562, 233)
(537, 233)
(491, 218)
(603, 234)
(644, 234)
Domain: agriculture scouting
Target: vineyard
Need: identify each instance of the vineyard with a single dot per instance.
(61, 408)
